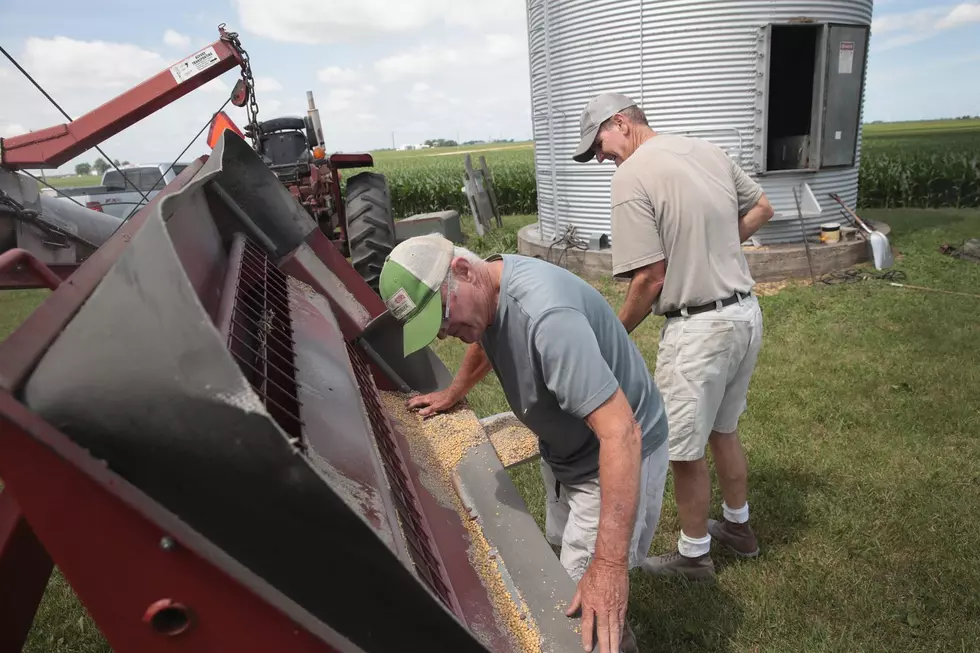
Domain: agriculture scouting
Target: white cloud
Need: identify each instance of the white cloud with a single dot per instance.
(419, 92)
(176, 39)
(62, 62)
(337, 100)
(267, 84)
(919, 19)
(503, 46)
(420, 62)
(8, 129)
(915, 26)
(962, 14)
(336, 75)
(216, 85)
(427, 60)
(336, 21)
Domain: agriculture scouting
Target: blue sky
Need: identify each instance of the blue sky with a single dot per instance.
(418, 68)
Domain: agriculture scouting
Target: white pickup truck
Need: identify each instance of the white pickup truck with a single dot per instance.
(117, 197)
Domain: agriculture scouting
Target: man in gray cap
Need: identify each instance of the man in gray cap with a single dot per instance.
(680, 210)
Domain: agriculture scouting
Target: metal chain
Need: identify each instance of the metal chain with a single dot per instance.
(253, 105)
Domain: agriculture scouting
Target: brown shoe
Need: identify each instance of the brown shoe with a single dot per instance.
(737, 537)
(674, 564)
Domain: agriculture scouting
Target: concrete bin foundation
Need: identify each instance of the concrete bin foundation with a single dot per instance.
(766, 263)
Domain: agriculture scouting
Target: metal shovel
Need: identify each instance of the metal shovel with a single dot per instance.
(881, 251)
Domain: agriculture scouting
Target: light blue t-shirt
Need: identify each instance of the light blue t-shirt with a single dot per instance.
(560, 352)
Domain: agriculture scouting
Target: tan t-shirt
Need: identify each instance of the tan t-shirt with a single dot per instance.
(679, 198)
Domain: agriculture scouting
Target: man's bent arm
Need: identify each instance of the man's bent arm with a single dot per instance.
(474, 367)
(752, 221)
(644, 289)
(620, 441)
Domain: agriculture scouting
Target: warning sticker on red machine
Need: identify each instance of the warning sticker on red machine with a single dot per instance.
(845, 63)
(194, 64)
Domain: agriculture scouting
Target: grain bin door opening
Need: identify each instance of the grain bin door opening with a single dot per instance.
(792, 105)
(846, 56)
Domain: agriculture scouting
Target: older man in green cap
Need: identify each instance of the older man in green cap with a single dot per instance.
(681, 207)
(574, 377)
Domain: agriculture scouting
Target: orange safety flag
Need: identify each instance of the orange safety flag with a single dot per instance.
(220, 123)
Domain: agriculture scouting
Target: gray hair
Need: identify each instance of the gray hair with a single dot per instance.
(634, 114)
(472, 258)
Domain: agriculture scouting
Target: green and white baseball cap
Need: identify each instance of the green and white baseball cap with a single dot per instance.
(410, 281)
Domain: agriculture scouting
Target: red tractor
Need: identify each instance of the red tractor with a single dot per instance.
(363, 228)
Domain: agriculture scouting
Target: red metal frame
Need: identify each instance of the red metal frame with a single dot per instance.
(14, 258)
(25, 568)
(118, 560)
(107, 540)
(55, 146)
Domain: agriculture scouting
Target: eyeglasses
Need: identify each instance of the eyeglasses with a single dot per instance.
(449, 285)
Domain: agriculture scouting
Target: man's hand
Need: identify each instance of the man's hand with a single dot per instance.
(434, 402)
(474, 367)
(602, 596)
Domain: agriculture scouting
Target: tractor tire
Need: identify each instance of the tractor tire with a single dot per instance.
(370, 225)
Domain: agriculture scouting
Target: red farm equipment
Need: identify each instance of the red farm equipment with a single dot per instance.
(363, 227)
(194, 429)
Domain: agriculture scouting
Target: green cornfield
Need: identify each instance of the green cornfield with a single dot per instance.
(903, 165)
(921, 165)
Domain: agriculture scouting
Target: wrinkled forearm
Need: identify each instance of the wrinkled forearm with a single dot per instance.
(643, 292)
(752, 221)
(619, 484)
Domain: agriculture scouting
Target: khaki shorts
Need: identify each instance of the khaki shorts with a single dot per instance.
(704, 366)
(572, 514)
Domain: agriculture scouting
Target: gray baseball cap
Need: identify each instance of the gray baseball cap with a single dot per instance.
(599, 109)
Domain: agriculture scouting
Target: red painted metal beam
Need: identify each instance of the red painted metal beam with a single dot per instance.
(25, 568)
(351, 160)
(24, 279)
(146, 591)
(16, 257)
(55, 146)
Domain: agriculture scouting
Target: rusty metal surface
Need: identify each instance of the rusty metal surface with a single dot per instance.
(337, 435)
(428, 563)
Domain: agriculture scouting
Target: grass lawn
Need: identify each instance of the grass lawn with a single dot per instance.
(862, 444)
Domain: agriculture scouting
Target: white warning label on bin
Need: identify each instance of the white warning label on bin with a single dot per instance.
(194, 64)
(845, 62)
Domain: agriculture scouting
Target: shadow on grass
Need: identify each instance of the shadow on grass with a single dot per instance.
(676, 615)
(779, 498)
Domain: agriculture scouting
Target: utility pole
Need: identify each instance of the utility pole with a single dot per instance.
(392, 140)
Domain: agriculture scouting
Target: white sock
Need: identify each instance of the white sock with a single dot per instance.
(690, 547)
(739, 516)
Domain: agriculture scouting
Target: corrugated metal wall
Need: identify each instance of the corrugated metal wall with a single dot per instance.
(692, 65)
